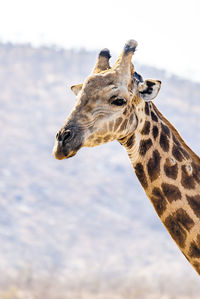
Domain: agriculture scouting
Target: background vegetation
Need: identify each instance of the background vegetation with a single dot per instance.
(80, 228)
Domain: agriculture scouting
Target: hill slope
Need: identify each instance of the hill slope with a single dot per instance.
(84, 218)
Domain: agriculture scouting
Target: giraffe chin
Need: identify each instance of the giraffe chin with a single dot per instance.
(64, 151)
(60, 155)
(70, 155)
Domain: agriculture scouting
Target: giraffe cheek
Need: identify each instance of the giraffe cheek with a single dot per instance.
(127, 126)
(132, 123)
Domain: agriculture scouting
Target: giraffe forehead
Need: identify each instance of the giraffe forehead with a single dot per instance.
(103, 84)
(97, 94)
(98, 81)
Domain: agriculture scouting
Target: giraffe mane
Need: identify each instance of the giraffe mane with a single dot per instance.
(177, 135)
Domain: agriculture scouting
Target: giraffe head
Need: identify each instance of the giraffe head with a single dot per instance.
(106, 104)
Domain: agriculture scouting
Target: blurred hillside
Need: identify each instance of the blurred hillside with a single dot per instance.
(83, 225)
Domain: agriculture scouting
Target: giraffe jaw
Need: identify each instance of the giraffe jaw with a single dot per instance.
(71, 154)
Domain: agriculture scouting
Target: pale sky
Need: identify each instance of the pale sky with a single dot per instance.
(167, 31)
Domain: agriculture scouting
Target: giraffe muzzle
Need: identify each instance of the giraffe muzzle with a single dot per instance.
(67, 143)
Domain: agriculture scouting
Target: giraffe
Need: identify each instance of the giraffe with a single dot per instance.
(115, 103)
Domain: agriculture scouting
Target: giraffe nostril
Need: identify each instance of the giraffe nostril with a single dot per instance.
(68, 135)
(58, 136)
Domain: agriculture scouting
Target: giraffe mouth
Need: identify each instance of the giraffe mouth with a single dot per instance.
(61, 153)
(70, 155)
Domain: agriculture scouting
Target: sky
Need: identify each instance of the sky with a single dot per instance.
(167, 31)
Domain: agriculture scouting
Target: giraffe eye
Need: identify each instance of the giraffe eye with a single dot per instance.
(119, 102)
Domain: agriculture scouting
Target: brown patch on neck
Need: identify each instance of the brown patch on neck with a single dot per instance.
(187, 181)
(171, 170)
(158, 200)
(171, 192)
(146, 108)
(139, 171)
(155, 132)
(184, 219)
(145, 145)
(176, 230)
(146, 128)
(178, 224)
(153, 166)
(194, 202)
(194, 250)
(164, 142)
(154, 117)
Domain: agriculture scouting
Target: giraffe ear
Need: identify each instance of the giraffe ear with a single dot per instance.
(149, 89)
(76, 88)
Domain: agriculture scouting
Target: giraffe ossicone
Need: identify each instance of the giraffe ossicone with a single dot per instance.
(115, 103)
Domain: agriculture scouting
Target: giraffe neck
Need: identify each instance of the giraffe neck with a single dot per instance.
(169, 172)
